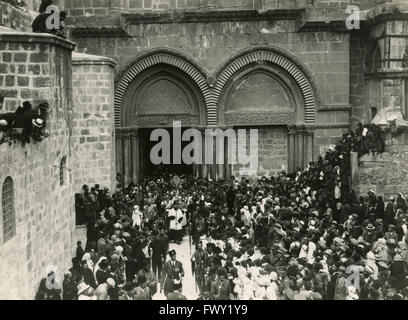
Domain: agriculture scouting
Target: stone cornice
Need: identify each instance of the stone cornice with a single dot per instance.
(88, 59)
(389, 11)
(312, 126)
(100, 32)
(385, 17)
(8, 35)
(313, 26)
(388, 74)
(210, 16)
(335, 107)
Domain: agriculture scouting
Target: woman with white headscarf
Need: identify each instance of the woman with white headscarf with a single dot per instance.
(370, 262)
(87, 257)
(137, 216)
(380, 250)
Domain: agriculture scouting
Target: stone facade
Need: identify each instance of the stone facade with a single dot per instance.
(93, 126)
(212, 38)
(19, 18)
(386, 173)
(37, 68)
(272, 153)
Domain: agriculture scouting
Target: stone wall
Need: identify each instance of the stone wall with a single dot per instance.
(16, 18)
(272, 153)
(93, 125)
(80, 8)
(324, 53)
(36, 67)
(386, 173)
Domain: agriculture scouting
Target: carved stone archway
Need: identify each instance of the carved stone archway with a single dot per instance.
(273, 56)
(296, 83)
(140, 80)
(150, 58)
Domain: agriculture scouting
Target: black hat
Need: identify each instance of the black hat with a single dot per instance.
(172, 253)
(210, 245)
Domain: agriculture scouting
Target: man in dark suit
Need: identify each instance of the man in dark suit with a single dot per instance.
(173, 274)
(158, 253)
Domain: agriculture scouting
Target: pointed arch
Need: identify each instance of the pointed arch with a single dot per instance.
(271, 55)
(150, 58)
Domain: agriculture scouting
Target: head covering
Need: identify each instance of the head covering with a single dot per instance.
(274, 276)
(82, 287)
(111, 282)
(172, 253)
(370, 227)
(39, 123)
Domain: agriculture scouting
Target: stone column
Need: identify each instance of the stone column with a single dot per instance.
(213, 166)
(309, 147)
(291, 149)
(354, 168)
(135, 155)
(300, 147)
(227, 157)
(204, 167)
(127, 155)
(220, 158)
(119, 151)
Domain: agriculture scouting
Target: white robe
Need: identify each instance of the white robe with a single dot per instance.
(174, 223)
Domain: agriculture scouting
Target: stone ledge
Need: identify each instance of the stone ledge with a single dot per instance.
(388, 11)
(89, 59)
(10, 35)
(210, 16)
(327, 125)
(383, 157)
(335, 107)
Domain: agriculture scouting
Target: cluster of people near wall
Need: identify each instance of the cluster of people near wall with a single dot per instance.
(290, 237)
(25, 124)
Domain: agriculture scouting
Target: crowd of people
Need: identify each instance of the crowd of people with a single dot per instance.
(304, 236)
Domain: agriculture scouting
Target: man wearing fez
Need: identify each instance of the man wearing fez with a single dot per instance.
(173, 274)
(176, 218)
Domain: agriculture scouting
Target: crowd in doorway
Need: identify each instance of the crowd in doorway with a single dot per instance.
(304, 236)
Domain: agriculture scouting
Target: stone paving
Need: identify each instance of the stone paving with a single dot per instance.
(183, 255)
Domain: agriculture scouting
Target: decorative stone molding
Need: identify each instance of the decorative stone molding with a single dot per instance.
(259, 118)
(97, 32)
(335, 107)
(212, 86)
(314, 26)
(126, 132)
(166, 56)
(389, 11)
(149, 121)
(182, 16)
(273, 56)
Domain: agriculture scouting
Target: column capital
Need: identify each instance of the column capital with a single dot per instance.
(126, 132)
(301, 130)
(292, 130)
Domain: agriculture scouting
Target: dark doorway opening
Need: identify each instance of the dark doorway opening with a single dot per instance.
(147, 168)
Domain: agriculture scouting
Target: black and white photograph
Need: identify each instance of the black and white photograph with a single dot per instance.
(216, 151)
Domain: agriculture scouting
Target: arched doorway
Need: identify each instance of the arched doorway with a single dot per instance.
(268, 89)
(156, 97)
(263, 88)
